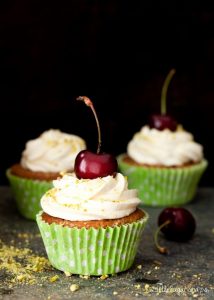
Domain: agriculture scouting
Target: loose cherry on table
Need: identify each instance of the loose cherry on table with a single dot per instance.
(164, 121)
(177, 224)
(89, 165)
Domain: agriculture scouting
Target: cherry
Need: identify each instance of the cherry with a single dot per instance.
(164, 121)
(89, 165)
(177, 224)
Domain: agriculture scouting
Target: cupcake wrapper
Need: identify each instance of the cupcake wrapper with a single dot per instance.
(91, 251)
(163, 186)
(27, 194)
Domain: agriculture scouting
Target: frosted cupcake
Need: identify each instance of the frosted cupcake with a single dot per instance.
(164, 166)
(90, 223)
(91, 226)
(42, 161)
(163, 161)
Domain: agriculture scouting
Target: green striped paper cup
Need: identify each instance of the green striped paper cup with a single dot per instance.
(163, 186)
(91, 251)
(27, 194)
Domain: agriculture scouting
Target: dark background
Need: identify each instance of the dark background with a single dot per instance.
(116, 52)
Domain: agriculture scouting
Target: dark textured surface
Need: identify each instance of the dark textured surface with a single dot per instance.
(186, 273)
(116, 52)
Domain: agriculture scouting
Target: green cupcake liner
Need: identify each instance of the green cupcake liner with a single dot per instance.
(28, 193)
(163, 186)
(91, 251)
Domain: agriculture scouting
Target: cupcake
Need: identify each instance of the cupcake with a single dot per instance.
(163, 161)
(91, 226)
(164, 166)
(90, 223)
(42, 161)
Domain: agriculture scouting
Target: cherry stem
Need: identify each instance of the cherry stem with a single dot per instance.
(89, 103)
(162, 250)
(165, 89)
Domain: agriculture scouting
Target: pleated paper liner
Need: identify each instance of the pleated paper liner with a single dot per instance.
(91, 251)
(163, 186)
(27, 194)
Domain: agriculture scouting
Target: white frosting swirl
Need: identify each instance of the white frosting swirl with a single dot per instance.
(52, 151)
(167, 148)
(90, 199)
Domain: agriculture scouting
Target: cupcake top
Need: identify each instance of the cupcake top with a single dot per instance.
(52, 151)
(101, 198)
(167, 148)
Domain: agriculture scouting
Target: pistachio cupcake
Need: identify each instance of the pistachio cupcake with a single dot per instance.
(91, 226)
(42, 161)
(165, 166)
(163, 161)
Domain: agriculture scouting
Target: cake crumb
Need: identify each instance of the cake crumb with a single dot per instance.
(74, 287)
(85, 276)
(115, 293)
(139, 267)
(54, 278)
(67, 274)
(195, 295)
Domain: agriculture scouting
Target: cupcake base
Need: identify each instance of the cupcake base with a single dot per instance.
(163, 186)
(92, 251)
(28, 193)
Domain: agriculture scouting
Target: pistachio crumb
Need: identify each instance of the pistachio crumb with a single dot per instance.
(54, 278)
(103, 277)
(137, 286)
(74, 287)
(21, 277)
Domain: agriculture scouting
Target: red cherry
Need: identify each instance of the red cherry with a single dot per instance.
(177, 224)
(89, 165)
(162, 122)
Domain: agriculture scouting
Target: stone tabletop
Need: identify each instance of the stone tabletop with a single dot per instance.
(185, 273)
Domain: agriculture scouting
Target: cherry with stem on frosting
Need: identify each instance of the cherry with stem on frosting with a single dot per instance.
(177, 224)
(164, 121)
(89, 165)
